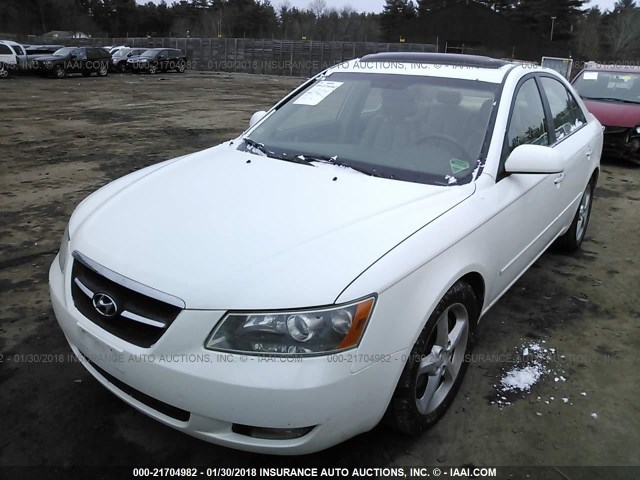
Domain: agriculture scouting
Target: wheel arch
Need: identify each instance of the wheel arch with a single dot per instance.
(476, 282)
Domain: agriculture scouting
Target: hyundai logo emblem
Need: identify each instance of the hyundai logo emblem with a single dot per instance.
(105, 305)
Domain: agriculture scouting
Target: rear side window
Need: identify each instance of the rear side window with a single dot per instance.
(4, 50)
(567, 114)
(527, 123)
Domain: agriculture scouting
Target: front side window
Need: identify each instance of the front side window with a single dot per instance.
(527, 125)
(413, 128)
(567, 116)
(63, 52)
(4, 50)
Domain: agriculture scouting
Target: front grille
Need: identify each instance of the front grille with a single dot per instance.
(136, 318)
(154, 403)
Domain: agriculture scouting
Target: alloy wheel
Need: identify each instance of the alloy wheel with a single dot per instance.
(442, 359)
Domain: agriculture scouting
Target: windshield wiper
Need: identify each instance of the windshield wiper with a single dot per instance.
(256, 145)
(261, 147)
(610, 99)
(334, 160)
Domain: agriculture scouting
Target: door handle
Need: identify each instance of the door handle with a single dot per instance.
(559, 179)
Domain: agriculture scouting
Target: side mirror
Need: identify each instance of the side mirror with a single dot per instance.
(256, 117)
(534, 159)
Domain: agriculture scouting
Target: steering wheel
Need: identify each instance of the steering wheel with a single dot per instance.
(458, 147)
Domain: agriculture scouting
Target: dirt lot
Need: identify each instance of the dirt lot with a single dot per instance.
(62, 139)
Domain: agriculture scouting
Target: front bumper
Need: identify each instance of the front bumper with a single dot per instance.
(621, 142)
(216, 391)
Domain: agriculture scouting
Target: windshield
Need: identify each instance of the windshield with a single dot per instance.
(150, 53)
(63, 52)
(612, 86)
(413, 128)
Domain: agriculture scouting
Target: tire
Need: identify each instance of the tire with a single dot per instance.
(104, 70)
(572, 238)
(122, 67)
(4, 70)
(59, 71)
(153, 69)
(436, 366)
(181, 67)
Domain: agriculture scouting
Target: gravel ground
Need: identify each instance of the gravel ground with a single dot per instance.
(62, 139)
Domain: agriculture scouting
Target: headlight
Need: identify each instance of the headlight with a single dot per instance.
(638, 129)
(300, 332)
(64, 248)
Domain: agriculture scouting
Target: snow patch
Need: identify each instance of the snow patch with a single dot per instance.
(521, 378)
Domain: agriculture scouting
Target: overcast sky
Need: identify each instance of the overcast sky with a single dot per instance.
(376, 5)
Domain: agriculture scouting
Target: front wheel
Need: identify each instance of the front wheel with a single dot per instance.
(437, 363)
(59, 71)
(572, 238)
(4, 70)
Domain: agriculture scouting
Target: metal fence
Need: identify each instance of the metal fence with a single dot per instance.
(262, 56)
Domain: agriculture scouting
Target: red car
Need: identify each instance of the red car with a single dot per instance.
(612, 95)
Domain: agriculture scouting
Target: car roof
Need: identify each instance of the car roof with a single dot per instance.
(612, 68)
(10, 42)
(444, 65)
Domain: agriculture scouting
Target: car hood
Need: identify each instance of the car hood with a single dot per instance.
(614, 114)
(50, 58)
(224, 229)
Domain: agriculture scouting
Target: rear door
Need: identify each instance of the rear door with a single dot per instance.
(573, 137)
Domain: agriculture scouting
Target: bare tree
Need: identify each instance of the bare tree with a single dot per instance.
(318, 7)
(623, 30)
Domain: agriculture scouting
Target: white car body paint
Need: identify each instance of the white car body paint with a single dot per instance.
(182, 228)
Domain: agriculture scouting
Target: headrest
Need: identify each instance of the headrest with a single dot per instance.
(450, 97)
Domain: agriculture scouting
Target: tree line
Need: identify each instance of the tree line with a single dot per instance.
(587, 33)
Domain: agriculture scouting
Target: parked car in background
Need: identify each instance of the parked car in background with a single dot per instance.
(19, 52)
(612, 94)
(156, 60)
(119, 59)
(84, 60)
(8, 60)
(379, 211)
(34, 51)
(114, 50)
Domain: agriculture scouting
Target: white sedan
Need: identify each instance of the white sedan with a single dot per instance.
(284, 291)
